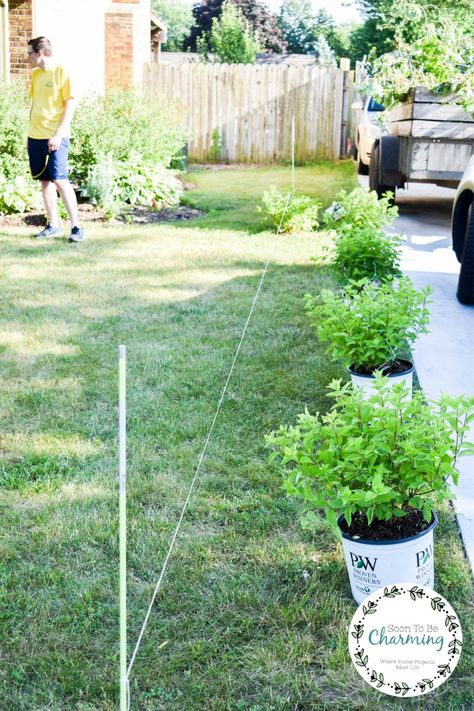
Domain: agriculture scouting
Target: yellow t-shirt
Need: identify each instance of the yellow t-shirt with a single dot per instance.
(49, 90)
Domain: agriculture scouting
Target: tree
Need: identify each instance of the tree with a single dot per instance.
(296, 22)
(387, 19)
(178, 17)
(256, 12)
(336, 36)
(232, 39)
(324, 55)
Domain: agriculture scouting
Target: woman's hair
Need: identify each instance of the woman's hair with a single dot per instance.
(42, 43)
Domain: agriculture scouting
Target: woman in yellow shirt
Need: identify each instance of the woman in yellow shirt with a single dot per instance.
(52, 107)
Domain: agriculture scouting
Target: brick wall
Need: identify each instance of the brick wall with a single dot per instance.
(118, 49)
(20, 20)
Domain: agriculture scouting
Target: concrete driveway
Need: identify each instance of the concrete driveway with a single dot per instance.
(444, 358)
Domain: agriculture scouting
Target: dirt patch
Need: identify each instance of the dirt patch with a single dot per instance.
(143, 215)
(91, 213)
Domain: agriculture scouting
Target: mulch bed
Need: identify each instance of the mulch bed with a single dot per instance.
(90, 213)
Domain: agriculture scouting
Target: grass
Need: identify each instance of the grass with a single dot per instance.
(229, 196)
(238, 623)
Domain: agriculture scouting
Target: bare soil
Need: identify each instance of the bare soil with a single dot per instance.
(91, 213)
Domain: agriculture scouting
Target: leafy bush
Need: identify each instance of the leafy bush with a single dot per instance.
(18, 194)
(14, 128)
(369, 253)
(359, 209)
(121, 123)
(135, 181)
(368, 326)
(288, 213)
(382, 455)
(361, 248)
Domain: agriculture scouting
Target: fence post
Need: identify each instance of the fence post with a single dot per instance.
(344, 65)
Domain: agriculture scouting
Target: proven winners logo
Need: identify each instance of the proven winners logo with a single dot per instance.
(405, 639)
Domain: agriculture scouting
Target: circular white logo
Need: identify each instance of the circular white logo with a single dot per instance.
(405, 640)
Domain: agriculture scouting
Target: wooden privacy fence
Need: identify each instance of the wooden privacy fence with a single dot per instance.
(243, 113)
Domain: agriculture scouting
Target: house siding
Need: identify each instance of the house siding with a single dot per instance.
(20, 21)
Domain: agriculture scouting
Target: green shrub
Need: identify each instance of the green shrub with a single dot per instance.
(14, 119)
(289, 213)
(135, 181)
(123, 122)
(368, 253)
(359, 209)
(382, 455)
(143, 182)
(18, 194)
(368, 326)
(361, 249)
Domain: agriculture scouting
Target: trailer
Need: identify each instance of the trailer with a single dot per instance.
(430, 139)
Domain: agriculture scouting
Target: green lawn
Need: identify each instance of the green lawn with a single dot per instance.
(238, 623)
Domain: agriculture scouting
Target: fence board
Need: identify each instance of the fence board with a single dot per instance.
(249, 109)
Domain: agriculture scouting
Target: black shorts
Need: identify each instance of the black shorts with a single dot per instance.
(45, 165)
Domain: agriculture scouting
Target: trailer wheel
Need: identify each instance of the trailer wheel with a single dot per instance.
(465, 292)
(362, 168)
(374, 174)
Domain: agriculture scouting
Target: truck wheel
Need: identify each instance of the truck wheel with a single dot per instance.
(374, 174)
(465, 291)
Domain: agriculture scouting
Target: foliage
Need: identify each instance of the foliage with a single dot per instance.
(144, 182)
(380, 455)
(14, 128)
(135, 181)
(262, 20)
(231, 39)
(430, 51)
(178, 16)
(100, 187)
(369, 326)
(18, 194)
(324, 55)
(123, 122)
(290, 213)
(368, 253)
(296, 22)
(359, 208)
(361, 247)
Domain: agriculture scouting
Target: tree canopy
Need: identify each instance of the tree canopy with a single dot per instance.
(179, 19)
(261, 19)
(231, 39)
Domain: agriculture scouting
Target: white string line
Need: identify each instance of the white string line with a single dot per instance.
(201, 459)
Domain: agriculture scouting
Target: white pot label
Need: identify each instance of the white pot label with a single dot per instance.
(405, 640)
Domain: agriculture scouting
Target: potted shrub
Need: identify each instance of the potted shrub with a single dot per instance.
(360, 248)
(374, 469)
(371, 327)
